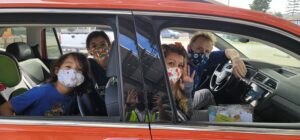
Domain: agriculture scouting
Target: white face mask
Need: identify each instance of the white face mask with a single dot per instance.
(70, 78)
(174, 74)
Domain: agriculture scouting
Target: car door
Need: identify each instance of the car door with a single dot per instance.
(79, 126)
(196, 129)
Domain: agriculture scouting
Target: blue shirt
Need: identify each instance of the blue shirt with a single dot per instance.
(215, 58)
(44, 100)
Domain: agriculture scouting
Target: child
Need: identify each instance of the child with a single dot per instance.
(98, 46)
(69, 75)
(181, 83)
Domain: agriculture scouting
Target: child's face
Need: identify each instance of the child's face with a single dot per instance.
(98, 47)
(69, 73)
(71, 63)
(174, 60)
(202, 45)
(175, 64)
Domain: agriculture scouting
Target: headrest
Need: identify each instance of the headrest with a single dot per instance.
(10, 74)
(20, 50)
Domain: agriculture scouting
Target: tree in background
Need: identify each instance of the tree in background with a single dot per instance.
(260, 5)
(278, 14)
(293, 7)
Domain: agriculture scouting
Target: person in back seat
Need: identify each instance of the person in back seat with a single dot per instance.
(69, 75)
(98, 45)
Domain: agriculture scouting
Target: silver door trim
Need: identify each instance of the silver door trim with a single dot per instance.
(64, 11)
(72, 123)
(238, 129)
(200, 127)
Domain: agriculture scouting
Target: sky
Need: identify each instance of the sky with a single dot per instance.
(275, 5)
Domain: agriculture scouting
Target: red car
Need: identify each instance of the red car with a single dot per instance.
(269, 46)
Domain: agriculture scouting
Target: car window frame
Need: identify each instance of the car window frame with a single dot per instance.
(52, 18)
(163, 20)
(52, 30)
(155, 41)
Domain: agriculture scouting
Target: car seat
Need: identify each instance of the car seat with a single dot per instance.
(34, 70)
(112, 94)
(10, 75)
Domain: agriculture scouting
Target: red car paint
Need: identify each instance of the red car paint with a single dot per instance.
(37, 132)
(29, 132)
(159, 5)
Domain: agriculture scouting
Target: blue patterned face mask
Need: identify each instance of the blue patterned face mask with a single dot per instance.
(197, 58)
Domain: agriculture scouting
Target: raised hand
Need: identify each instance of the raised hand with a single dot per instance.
(132, 97)
(186, 76)
(157, 100)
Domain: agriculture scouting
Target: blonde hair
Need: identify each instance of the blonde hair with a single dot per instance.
(205, 35)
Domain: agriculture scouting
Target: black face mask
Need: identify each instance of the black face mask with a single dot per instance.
(197, 58)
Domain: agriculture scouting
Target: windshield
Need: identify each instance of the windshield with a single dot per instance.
(258, 51)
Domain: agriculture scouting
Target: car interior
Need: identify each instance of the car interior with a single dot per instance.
(11, 75)
(270, 86)
(270, 89)
(35, 71)
(28, 67)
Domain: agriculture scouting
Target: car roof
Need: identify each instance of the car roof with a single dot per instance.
(177, 6)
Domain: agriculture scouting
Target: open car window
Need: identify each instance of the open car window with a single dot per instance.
(264, 94)
(41, 45)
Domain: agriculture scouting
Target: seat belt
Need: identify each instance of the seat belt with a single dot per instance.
(27, 79)
(26, 82)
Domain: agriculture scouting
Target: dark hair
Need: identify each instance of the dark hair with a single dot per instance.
(174, 48)
(96, 34)
(83, 62)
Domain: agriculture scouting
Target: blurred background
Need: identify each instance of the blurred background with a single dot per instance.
(287, 9)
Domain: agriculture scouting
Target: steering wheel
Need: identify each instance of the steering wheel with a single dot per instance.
(220, 79)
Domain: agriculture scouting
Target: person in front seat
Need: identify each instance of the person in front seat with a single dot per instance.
(69, 75)
(201, 55)
(182, 83)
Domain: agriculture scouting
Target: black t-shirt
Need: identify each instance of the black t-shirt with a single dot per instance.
(99, 74)
(94, 101)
